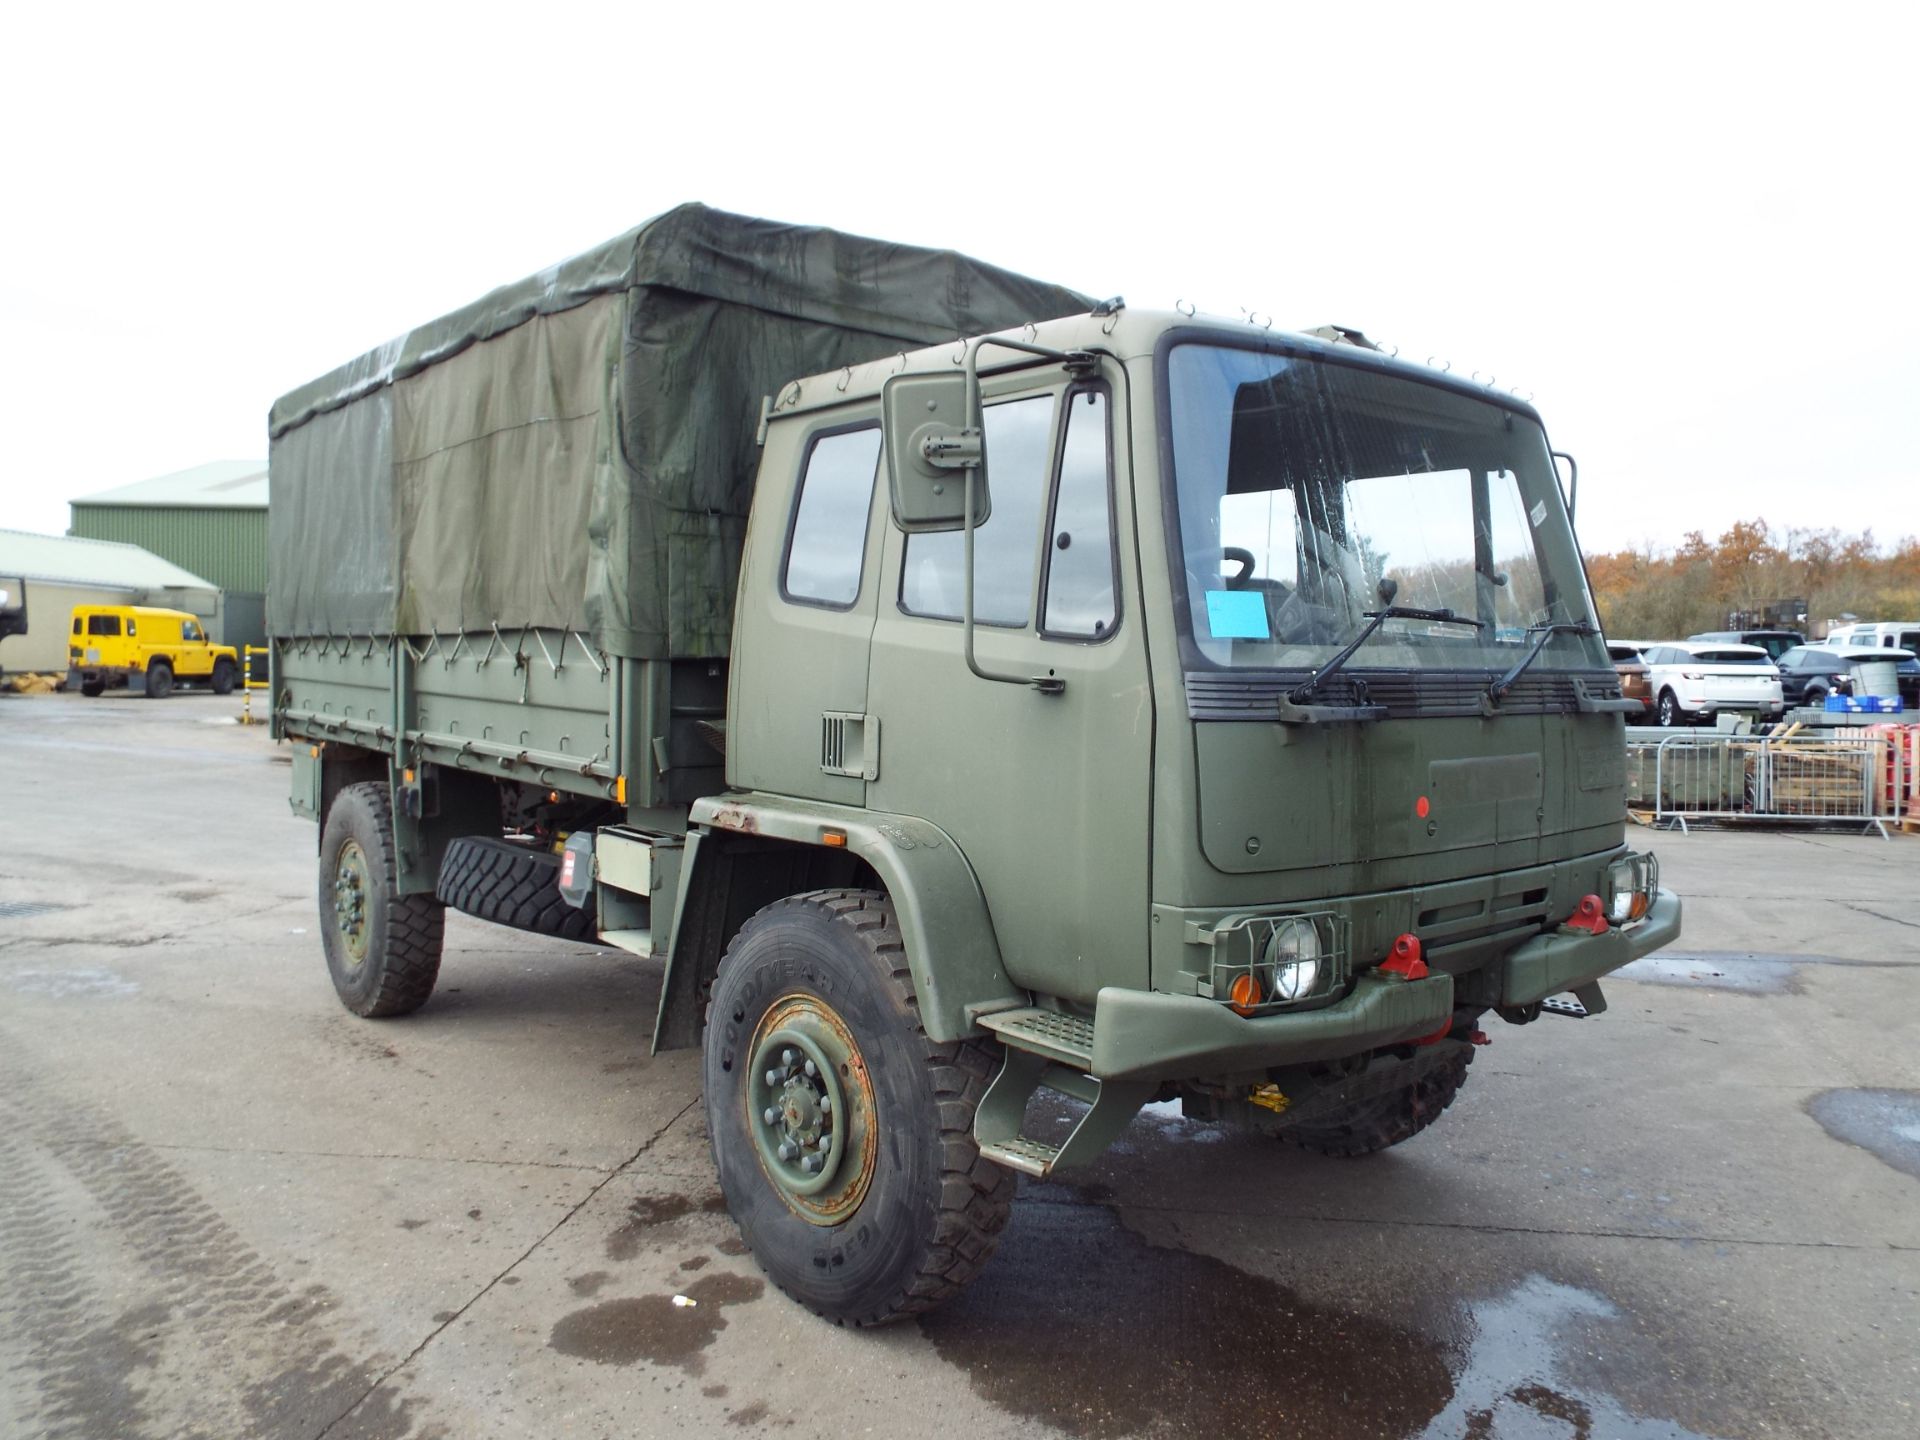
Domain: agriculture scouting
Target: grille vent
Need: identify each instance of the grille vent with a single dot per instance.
(850, 745)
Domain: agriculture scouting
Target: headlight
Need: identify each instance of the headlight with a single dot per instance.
(1633, 881)
(1293, 959)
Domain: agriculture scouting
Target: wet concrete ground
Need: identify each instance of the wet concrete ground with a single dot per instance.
(229, 1208)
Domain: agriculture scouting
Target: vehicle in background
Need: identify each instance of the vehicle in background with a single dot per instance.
(13, 607)
(1775, 642)
(1696, 680)
(1881, 634)
(1631, 666)
(1809, 673)
(144, 649)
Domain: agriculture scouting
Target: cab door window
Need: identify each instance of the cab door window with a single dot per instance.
(1006, 550)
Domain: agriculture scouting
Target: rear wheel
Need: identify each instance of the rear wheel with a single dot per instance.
(383, 948)
(222, 680)
(843, 1136)
(93, 687)
(1382, 1121)
(159, 680)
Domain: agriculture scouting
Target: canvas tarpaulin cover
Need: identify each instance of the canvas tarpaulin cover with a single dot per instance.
(577, 450)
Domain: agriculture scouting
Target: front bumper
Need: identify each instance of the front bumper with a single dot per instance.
(1147, 1035)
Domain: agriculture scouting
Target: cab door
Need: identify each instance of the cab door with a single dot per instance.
(1047, 794)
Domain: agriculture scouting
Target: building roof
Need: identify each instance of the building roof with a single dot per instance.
(217, 485)
(100, 564)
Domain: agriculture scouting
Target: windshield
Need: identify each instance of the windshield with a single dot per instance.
(1310, 493)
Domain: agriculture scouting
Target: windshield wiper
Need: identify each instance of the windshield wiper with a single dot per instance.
(1497, 691)
(1294, 706)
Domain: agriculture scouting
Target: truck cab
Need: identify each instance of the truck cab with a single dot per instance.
(1282, 665)
(145, 649)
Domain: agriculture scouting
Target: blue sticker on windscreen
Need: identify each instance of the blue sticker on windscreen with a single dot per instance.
(1237, 615)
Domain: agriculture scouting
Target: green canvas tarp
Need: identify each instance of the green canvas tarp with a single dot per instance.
(577, 450)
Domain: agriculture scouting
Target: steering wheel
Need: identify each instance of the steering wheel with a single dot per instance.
(1242, 558)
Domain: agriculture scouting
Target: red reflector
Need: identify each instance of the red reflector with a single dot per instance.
(1404, 958)
(566, 868)
(1480, 1037)
(1437, 1036)
(1589, 915)
(1420, 807)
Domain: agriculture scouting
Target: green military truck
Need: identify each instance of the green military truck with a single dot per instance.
(963, 690)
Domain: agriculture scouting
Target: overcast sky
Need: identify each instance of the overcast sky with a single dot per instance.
(1686, 231)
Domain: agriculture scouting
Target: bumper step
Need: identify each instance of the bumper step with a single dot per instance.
(1577, 1004)
(1064, 1039)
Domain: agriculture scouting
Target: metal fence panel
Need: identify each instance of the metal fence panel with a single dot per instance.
(1851, 777)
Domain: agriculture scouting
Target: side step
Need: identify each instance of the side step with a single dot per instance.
(1046, 1049)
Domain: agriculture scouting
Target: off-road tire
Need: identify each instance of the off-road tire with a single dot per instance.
(222, 678)
(1669, 715)
(403, 932)
(934, 1208)
(511, 884)
(1383, 1121)
(93, 688)
(159, 680)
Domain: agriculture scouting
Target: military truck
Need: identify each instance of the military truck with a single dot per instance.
(991, 710)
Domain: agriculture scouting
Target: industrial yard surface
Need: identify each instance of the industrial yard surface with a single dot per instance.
(228, 1207)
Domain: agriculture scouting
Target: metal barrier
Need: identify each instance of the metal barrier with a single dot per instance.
(247, 683)
(1851, 777)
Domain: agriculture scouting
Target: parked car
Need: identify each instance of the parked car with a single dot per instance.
(1694, 680)
(1775, 642)
(144, 649)
(1881, 634)
(1629, 665)
(1809, 673)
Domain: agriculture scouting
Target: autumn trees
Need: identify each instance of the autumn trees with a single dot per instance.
(1648, 594)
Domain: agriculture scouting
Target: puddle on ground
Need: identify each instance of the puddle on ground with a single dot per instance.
(1886, 1123)
(652, 1327)
(1051, 1331)
(1746, 973)
(648, 1211)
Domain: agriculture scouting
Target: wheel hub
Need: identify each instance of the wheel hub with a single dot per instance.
(810, 1109)
(350, 890)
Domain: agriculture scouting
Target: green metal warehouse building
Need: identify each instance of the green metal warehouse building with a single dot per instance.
(211, 520)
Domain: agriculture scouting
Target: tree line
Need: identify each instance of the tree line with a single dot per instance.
(1649, 594)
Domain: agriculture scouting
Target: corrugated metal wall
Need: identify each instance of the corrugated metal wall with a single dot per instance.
(228, 547)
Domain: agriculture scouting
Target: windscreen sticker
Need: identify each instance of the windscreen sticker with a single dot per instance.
(1538, 514)
(1237, 615)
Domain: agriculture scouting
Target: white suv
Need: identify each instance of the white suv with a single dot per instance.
(1694, 680)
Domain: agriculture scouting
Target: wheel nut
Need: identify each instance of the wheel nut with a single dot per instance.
(786, 1057)
(826, 1103)
(811, 1072)
(787, 1149)
(810, 1164)
(773, 1078)
(771, 1116)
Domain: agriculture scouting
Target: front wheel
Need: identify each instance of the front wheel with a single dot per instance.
(383, 948)
(222, 681)
(1670, 713)
(843, 1136)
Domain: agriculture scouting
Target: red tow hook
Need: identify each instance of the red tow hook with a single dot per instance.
(1589, 915)
(1404, 958)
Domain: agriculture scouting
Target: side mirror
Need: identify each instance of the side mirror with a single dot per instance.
(932, 436)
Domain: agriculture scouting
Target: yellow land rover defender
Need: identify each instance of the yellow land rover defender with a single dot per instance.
(145, 649)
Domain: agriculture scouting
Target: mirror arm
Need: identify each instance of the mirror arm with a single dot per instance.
(1077, 361)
